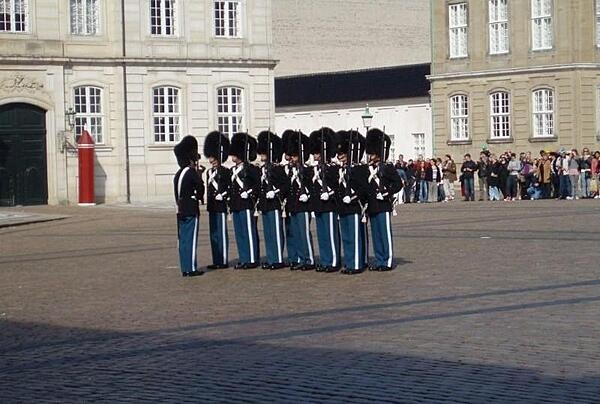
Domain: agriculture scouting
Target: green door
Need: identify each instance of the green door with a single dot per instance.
(23, 177)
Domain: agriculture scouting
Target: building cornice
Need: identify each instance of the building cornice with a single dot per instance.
(515, 71)
(142, 62)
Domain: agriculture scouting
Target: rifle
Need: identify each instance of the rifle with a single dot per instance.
(381, 166)
(322, 165)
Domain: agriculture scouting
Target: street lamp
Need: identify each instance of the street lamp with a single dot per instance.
(70, 118)
(367, 118)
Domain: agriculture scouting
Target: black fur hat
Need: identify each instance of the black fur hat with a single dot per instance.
(343, 140)
(298, 144)
(186, 150)
(323, 140)
(263, 147)
(211, 146)
(243, 146)
(375, 137)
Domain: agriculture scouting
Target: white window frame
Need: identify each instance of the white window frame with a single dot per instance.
(498, 26)
(226, 26)
(12, 14)
(543, 112)
(230, 109)
(458, 30)
(87, 102)
(500, 115)
(598, 23)
(418, 145)
(459, 117)
(542, 36)
(85, 17)
(163, 23)
(166, 114)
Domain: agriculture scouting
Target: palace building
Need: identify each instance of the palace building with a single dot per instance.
(138, 75)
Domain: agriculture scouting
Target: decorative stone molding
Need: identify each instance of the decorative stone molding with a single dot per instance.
(20, 83)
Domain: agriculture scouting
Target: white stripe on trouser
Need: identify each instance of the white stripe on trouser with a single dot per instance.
(194, 250)
(278, 236)
(223, 238)
(356, 255)
(332, 239)
(250, 235)
(389, 238)
(310, 251)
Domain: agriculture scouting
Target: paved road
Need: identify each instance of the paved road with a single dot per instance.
(489, 303)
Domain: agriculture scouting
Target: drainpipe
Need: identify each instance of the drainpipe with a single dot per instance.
(125, 115)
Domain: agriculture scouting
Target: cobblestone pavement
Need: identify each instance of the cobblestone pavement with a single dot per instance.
(490, 302)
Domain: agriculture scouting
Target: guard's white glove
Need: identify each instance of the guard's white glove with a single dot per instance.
(325, 196)
(219, 197)
(346, 200)
(270, 195)
(244, 195)
(379, 196)
(303, 198)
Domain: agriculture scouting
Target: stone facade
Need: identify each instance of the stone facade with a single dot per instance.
(44, 65)
(569, 67)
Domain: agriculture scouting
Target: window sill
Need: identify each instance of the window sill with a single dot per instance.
(543, 139)
(500, 140)
(458, 142)
(161, 147)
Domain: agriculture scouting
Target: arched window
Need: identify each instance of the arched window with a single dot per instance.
(88, 111)
(459, 117)
(230, 110)
(166, 114)
(543, 113)
(499, 115)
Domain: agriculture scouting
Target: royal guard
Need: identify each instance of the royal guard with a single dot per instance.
(218, 180)
(298, 207)
(189, 190)
(324, 181)
(349, 146)
(273, 190)
(381, 183)
(243, 194)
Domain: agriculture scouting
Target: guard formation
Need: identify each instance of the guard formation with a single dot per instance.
(346, 185)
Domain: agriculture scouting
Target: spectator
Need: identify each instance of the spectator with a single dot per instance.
(493, 178)
(468, 169)
(545, 174)
(573, 169)
(436, 177)
(449, 174)
(514, 168)
(585, 173)
(482, 175)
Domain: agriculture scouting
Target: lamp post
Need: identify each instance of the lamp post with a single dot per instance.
(367, 118)
(70, 118)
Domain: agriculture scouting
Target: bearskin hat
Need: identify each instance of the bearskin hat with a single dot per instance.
(378, 141)
(268, 142)
(323, 140)
(343, 141)
(243, 146)
(186, 150)
(298, 144)
(216, 145)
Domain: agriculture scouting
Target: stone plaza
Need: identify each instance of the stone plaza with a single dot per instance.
(489, 302)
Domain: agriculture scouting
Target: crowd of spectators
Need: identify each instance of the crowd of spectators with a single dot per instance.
(562, 174)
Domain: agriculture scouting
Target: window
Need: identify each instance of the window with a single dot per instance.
(459, 118)
(419, 145)
(162, 17)
(230, 110)
(458, 30)
(500, 115)
(88, 110)
(14, 16)
(85, 17)
(541, 24)
(165, 114)
(543, 113)
(227, 19)
(598, 23)
(498, 16)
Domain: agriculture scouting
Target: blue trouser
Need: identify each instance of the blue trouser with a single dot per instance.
(301, 251)
(423, 191)
(219, 239)
(187, 237)
(381, 235)
(353, 233)
(273, 228)
(328, 236)
(565, 186)
(469, 184)
(584, 185)
(511, 186)
(246, 239)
